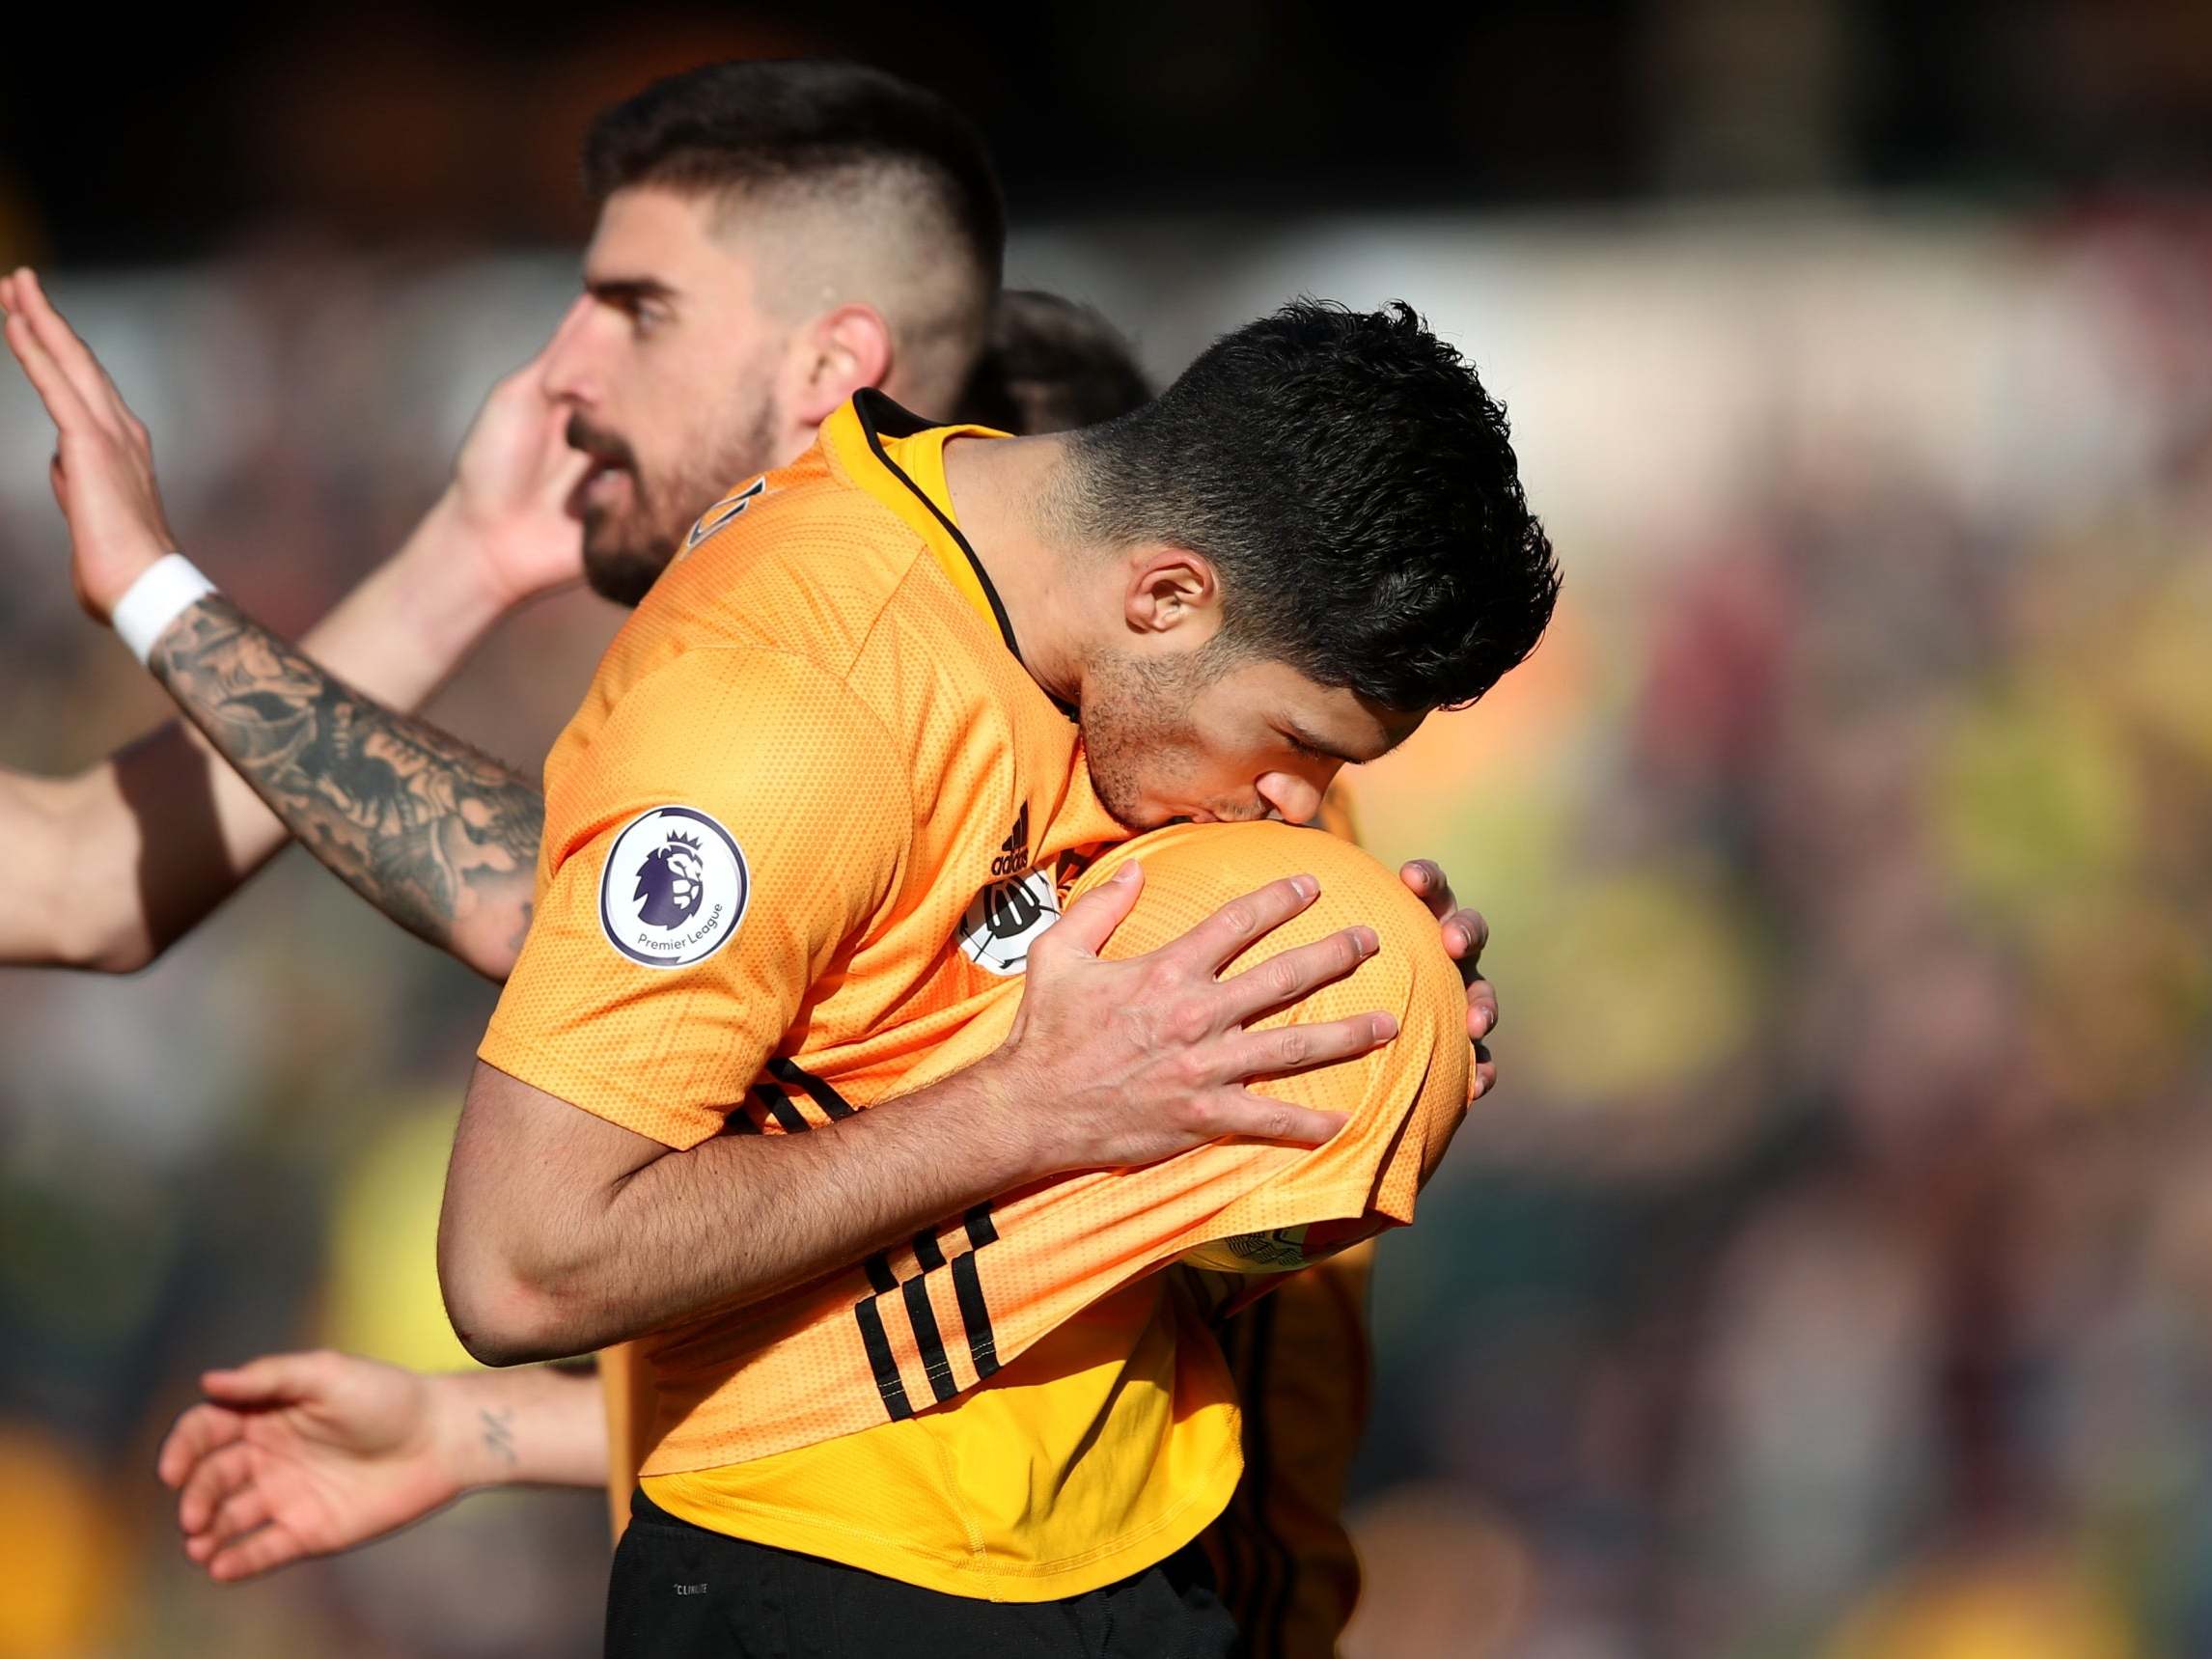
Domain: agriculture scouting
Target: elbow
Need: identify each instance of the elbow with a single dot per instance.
(119, 950)
(91, 943)
(503, 1317)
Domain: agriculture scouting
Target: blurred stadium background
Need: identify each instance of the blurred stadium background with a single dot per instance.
(1831, 1274)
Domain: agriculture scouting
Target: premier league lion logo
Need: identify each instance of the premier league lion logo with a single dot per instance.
(674, 887)
(672, 882)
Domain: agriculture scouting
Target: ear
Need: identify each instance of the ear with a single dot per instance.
(837, 355)
(1171, 591)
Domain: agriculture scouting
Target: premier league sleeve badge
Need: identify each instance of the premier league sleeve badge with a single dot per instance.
(674, 888)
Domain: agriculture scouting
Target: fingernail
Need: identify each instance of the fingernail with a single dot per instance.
(1364, 938)
(1304, 886)
(1127, 872)
(1385, 1027)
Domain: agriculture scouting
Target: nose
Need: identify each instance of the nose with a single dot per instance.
(571, 376)
(1294, 798)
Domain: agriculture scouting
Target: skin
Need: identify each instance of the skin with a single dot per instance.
(177, 826)
(303, 1455)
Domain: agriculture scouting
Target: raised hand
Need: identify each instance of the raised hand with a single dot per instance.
(1164, 1069)
(301, 1454)
(1465, 934)
(515, 480)
(102, 470)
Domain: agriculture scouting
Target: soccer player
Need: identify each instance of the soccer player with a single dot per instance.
(727, 916)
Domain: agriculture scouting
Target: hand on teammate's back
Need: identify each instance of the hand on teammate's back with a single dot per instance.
(1124, 1062)
(103, 461)
(302, 1454)
(515, 481)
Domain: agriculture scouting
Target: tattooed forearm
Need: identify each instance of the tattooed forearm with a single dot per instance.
(428, 829)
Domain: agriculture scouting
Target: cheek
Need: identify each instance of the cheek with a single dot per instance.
(1227, 751)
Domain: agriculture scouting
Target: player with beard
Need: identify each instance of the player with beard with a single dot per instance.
(702, 350)
(625, 379)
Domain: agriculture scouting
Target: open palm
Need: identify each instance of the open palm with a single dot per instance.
(303, 1455)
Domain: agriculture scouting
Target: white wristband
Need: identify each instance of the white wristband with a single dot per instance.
(158, 598)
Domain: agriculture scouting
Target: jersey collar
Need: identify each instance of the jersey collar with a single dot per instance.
(917, 493)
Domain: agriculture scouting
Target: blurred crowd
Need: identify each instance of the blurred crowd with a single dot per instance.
(1829, 1276)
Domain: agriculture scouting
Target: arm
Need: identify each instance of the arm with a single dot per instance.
(293, 1455)
(500, 534)
(563, 1231)
(48, 913)
(438, 836)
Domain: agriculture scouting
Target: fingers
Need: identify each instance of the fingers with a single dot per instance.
(239, 1514)
(1485, 1074)
(1293, 1048)
(1282, 979)
(1222, 936)
(1465, 934)
(212, 1483)
(1430, 884)
(1259, 1117)
(202, 1429)
(273, 1546)
(1481, 1009)
(69, 354)
(1089, 922)
(65, 405)
(272, 1379)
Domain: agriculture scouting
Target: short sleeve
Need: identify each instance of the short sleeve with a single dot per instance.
(739, 818)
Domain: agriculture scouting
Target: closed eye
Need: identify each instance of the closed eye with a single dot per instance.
(1311, 750)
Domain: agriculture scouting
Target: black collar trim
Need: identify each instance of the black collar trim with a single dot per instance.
(881, 418)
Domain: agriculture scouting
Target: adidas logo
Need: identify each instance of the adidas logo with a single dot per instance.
(1013, 851)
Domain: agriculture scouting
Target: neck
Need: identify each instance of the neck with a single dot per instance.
(999, 489)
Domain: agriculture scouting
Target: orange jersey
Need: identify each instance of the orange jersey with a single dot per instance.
(1060, 1279)
(802, 829)
(797, 841)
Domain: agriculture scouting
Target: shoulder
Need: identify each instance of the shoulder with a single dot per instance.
(799, 560)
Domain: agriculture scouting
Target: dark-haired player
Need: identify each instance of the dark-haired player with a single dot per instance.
(684, 1133)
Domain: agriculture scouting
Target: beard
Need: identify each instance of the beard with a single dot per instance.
(1137, 737)
(626, 548)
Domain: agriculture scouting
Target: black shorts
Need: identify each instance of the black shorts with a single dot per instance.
(680, 1592)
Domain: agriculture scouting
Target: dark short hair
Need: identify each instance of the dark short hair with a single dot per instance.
(785, 121)
(1356, 490)
(1049, 365)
